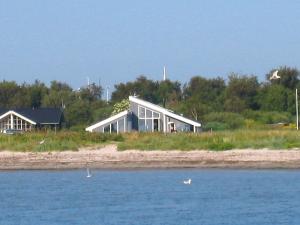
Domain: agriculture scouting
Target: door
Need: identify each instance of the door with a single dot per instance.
(155, 125)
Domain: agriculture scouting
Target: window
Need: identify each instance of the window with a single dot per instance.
(121, 125)
(149, 123)
(116, 126)
(148, 119)
(141, 112)
(142, 125)
(155, 125)
(107, 129)
(155, 115)
(148, 113)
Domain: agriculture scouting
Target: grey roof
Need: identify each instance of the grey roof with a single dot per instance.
(2, 111)
(39, 115)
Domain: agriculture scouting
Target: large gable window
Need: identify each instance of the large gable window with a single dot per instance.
(14, 122)
(148, 119)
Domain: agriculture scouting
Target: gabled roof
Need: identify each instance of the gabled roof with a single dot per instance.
(39, 116)
(163, 110)
(43, 115)
(108, 120)
(7, 113)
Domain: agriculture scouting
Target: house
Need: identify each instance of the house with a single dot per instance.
(29, 119)
(144, 116)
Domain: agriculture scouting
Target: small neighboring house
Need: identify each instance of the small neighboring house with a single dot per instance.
(29, 119)
(144, 116)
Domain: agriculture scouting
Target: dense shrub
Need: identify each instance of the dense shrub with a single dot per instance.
(230, 120)
(266, 117)
(215, 126)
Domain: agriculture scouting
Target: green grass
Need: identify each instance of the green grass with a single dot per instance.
(60, 141)
(216, 141)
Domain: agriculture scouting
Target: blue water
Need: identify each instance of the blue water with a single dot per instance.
(243, 197)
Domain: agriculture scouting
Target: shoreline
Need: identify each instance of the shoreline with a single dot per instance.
(108, 157)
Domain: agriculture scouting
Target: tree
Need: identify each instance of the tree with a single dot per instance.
(194, 108)
(273, 98)
(289, 77)
(202, 95)
(121, 106)
(168, 92)
(8, 90)
(142, 87)
(59, 94)
(78, 113)
(21, 98)
(91, 92)
(242, 91)
(37, 91)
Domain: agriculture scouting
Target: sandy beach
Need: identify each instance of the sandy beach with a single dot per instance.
(108, 157)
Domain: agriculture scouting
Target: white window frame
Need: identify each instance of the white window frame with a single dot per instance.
(149, 118)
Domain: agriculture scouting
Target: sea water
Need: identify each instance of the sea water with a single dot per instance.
(215, 197)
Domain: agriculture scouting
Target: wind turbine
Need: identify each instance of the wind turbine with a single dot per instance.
(165, 73)
(107, 93)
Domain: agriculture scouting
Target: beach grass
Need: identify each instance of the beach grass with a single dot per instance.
(50, 141)
(215, 141)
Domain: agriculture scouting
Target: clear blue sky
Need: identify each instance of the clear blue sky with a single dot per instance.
(117, 41)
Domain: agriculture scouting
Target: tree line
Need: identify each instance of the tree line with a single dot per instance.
(240, 100)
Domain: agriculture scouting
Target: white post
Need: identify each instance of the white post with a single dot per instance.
(164, 124)
(125, 124)
(297, 117)
(11, 121)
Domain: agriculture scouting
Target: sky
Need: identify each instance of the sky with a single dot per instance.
(117, 41)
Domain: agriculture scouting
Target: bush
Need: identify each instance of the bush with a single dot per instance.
(215, 126)
(266, 117)
(228, 119)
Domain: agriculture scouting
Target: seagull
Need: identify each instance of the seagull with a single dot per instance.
(274, 76)
(88, 173)
(42, 142)
(189, 181)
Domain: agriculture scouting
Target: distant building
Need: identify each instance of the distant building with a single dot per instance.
(30, 119)
(144, 116)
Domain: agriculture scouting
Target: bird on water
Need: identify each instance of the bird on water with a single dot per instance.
(189, 181)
